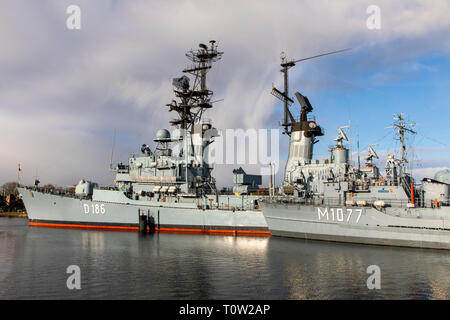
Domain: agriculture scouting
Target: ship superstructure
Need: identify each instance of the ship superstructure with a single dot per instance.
(162, 171)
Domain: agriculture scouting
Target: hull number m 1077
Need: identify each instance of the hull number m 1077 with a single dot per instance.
(339, 214)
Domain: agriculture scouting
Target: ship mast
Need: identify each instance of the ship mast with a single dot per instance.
(191, 101)
(289, 121)
(402, 128)
(194, 100)
(395, 168)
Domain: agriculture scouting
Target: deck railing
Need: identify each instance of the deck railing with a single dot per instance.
(395, 203)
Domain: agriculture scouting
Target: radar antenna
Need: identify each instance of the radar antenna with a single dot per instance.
(371, 155)
(341, 137)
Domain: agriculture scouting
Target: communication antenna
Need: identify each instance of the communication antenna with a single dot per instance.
(36, 179)
(289, 120)
(350, 141)
(112, 149)
(357, 144)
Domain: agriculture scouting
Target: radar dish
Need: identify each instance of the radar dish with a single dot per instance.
(181, 83)
(342, 134)
(162, 135)
(304, 102)
(443, 176)
(372, 152)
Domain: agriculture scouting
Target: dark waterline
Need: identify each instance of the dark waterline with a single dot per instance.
(128, 265)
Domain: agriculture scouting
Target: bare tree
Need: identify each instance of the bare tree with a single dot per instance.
(9, 188)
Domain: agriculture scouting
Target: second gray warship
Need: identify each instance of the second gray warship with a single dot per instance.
(331, 199)
(163, 189)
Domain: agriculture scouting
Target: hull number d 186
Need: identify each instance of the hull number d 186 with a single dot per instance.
(94, 208)
(339, 214)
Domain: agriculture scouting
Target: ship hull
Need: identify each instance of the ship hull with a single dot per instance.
(406, 227)
(50, 210)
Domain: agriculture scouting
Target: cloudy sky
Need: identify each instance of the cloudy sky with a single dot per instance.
(64, 92)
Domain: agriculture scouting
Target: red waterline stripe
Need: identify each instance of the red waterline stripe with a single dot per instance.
(80, 226)
(165, 230)
(215, 231)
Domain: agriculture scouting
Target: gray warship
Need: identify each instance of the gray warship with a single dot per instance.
(333, 200)
(169, 188)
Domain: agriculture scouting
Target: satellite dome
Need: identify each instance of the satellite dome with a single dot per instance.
(443, 176)
(162, 135)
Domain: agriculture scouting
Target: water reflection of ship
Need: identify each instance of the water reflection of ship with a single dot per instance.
(321, 270)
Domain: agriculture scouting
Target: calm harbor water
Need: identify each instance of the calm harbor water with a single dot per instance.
(128, 265)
